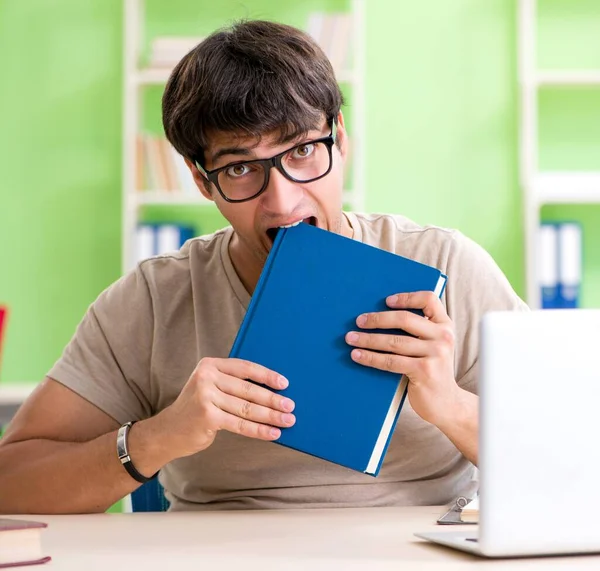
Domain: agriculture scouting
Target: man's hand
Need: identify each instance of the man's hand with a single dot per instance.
(426, 359)
(217, 396)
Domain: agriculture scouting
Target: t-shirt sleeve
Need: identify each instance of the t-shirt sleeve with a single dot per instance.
(475, 286)
(107, 361)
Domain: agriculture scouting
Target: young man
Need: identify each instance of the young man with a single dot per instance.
(256, 112)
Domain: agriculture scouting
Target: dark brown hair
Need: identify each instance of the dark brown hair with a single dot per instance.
(255, 77)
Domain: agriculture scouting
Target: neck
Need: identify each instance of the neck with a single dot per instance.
(247, 265)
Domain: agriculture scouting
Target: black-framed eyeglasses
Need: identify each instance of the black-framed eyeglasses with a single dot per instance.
(244, 180)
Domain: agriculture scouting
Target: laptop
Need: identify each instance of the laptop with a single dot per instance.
(539, 436)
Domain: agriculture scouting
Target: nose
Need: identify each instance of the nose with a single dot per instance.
(281, 196)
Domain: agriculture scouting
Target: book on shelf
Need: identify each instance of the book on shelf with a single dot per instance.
(548, 265)
(160, 168)
(156, 239)
(559, 264)
(21, 542)
(312, 288)
(333, 32)
(569, 265)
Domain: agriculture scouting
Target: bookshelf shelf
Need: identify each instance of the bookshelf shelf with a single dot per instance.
(152, 76)
(347, 56)
(166, 198)
(567, 187)
(160, 75)
(557, 78)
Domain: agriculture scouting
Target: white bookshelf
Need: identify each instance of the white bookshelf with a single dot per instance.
(136, 79)
(539, 187)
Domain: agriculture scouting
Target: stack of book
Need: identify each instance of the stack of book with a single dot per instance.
(155, 239)
(161, 168)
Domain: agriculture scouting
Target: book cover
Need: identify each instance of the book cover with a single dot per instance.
(312, 288)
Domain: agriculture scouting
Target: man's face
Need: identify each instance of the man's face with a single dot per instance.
(283, 202)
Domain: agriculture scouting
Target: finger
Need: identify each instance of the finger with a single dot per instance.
(408, 321)
(247, 427)
(243, 369)
(398, 344)
(252, 411)
(386, 361)
(253, 393)
(427, 301)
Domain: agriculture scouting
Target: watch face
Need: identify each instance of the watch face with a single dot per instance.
(121, 446)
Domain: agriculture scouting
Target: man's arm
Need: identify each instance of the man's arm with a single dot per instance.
(460, 423)
(59, 455)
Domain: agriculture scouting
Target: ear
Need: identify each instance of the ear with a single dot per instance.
(342, 136)
(204, 185)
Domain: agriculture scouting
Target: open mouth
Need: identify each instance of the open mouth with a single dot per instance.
(272, 232)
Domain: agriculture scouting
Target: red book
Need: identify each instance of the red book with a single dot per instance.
(3, 319)
(21, 542)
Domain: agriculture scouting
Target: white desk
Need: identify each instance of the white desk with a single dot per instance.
(371, 539)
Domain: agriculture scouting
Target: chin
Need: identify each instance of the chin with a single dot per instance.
(271, 233)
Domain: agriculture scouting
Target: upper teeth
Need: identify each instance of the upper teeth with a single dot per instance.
(290, 225)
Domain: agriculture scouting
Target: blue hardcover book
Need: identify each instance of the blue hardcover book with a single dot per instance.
(312, 288)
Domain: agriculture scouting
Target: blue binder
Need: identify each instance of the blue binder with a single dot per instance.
(548, 265)
(313, 286)
(570, 264)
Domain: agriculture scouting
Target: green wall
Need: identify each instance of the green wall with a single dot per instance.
(441, 138)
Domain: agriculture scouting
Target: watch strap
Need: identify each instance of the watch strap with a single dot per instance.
(123, 454)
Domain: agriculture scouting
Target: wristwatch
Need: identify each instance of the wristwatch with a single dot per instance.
(123, 454)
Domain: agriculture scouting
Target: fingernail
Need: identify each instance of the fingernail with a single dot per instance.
(392, 300)
(353, 337)
(361, 320)
(283, 382)
(275, 432)
(287, 404)
(288, 418)
(357, 354)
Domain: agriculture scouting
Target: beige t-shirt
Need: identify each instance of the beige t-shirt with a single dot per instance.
(141, 339)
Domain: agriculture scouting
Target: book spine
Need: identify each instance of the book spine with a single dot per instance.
(547, 270)
(389, 439)
(441, 285)
(258, 290)
(387, 432)
(569, 266)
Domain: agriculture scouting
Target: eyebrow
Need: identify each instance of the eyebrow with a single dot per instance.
(246, 152)
(241, 151)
